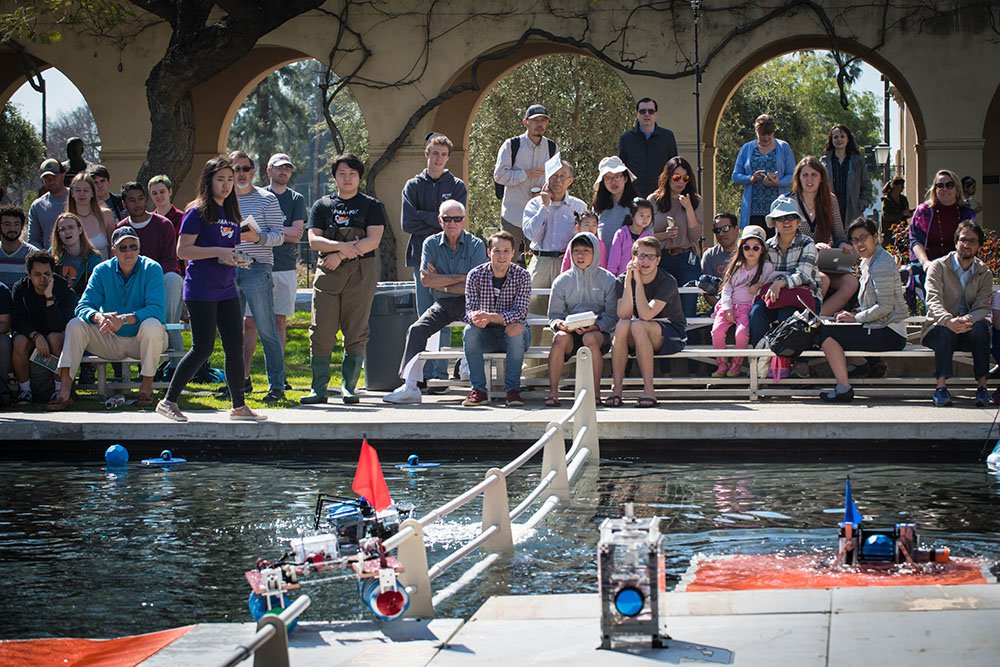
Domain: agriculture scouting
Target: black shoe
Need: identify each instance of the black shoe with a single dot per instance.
(878, 369)
(431, 391)
(834, 396)
(288, 387)
(273, 397)
(859, 371)
(223, 394)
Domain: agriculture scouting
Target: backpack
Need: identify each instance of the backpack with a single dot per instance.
(515, 145)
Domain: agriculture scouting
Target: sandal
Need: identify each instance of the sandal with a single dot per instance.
(613, 401)
(552, 402)
(646, 402)
(57, 404)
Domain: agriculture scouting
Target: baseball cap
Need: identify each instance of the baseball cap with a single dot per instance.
(753, 232)
(279, 159)
(535, 110)
(51, 167)
(123, 233)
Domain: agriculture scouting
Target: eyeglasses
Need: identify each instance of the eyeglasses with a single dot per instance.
(752, 247)
(945, 185)
(131, 247)
(721, 230)
(452, 218)
(646, 256)
(860, 238)
(647, 111)
(245, 169)
(680, 177)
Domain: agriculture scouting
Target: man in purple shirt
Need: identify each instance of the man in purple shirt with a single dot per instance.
(496, 309)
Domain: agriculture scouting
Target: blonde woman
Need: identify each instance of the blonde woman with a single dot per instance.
(98, 222)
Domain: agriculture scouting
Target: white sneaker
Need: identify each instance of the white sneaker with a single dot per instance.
(404, 394)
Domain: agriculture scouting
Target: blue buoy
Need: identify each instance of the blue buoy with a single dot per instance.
(413, 462)
(878, 548)
(166, 459)
(116, 455)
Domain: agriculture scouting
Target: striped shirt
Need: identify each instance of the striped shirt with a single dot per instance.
(511, 300)
(797, 265)
(266, 210)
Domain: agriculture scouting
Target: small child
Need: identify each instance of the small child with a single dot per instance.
(747, 271)
(637, 223)
(585, 222)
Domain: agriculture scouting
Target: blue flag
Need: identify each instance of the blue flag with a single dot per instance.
(851, 513)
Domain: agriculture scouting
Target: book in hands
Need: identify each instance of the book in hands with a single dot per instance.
(45, 361)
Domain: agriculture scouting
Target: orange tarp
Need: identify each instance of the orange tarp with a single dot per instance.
(757, 572)
(122, 652)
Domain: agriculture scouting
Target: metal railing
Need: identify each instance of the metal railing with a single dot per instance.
(269, 646)
(559, 468)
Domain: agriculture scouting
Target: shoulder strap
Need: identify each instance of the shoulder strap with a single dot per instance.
(515, 146)
(552, 148)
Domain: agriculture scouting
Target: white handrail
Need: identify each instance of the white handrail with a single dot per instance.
(558, 469)
(271, 637)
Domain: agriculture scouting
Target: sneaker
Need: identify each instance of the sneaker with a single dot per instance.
(288, 387)
(721, 370)
(223, 394)
(403, 394)
(431, 391)
(24, 396)
(476, 397)
(171, 411)
(514, 399)
(273, 397)
(801, 369)
(982, 397)
(735, 369)
(942, 397)
(245, 414)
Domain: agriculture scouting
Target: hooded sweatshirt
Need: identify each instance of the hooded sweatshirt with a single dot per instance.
(579, 290)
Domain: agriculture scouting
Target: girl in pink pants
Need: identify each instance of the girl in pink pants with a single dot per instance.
(746, 272)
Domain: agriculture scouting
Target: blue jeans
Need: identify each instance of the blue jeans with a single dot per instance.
(495, 339)
(762, 317)
(946, 342)
(257, 291)
(438, 368)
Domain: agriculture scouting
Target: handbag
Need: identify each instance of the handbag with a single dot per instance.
(793, 336)
(790, 297)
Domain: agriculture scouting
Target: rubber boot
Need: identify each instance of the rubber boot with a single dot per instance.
(351, 371)
(320, 380)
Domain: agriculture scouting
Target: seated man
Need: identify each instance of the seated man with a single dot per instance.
(585, 287)
(959, 288)
(496, 310)
(646, 293)
(6, 306)
(120, 315)
(43, 304)
(446, 259)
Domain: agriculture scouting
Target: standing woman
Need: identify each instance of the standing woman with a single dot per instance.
(677, 224)
(822, 223)
(895, 208)
(161, 191)
(97, 221)
(75, 255)
(848, 174)
(764, 168)
(210, 232)
(613, 190)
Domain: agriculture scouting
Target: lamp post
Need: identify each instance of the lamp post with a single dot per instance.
(882, 158)
(696, 10)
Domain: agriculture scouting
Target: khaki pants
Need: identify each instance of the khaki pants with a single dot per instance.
(342, 300)
(544, 271)
(146, 346)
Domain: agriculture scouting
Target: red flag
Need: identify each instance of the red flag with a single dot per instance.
(368, 479)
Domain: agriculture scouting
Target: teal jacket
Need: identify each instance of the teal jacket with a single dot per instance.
(109, 292)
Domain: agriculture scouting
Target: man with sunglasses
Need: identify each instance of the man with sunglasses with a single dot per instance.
(725, 226)
(255, 284)
(445, 262)
(120, 315)
(959, 289)
(646, 147)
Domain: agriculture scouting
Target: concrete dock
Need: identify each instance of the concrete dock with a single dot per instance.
(919, 626)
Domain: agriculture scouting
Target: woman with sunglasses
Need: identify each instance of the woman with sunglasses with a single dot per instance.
(764, 168)
(677, 224)
(879, 322)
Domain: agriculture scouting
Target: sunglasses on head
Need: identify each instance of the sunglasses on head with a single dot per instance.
(452, 218)
(721, 229)
(245, 169)
(945, 185)
(680, 177)
(752, 247)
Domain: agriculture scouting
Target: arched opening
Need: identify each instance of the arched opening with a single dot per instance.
(908, 135)
(989, 185)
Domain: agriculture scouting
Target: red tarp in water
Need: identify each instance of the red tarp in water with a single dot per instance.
(122, 652)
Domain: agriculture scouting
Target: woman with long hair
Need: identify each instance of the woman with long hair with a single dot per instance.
(613, 190)
(849, 178)
(75, 255)
(98, 222)
(210, 232)
(822, 223)
(677, 224)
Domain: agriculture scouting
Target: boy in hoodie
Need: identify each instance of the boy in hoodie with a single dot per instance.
(584, 287)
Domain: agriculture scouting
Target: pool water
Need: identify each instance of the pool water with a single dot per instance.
(95, 554)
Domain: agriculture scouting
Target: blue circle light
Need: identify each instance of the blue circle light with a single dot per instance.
(629, 601)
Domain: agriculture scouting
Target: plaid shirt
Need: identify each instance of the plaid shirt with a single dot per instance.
(797, 265)
(511, 302)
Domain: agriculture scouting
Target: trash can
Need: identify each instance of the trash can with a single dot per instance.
(393, 311)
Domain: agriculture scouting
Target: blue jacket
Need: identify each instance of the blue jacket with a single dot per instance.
(142, 294)
(742, 173)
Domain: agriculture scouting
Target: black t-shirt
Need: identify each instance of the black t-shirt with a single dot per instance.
(6, 304)
(346, 219)
(662, 288)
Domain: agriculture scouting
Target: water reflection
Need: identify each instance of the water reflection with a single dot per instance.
(93, 553)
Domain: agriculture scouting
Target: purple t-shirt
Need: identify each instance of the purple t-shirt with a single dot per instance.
(207, 279)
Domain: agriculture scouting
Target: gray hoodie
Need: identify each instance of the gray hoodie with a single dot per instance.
(579, 290)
